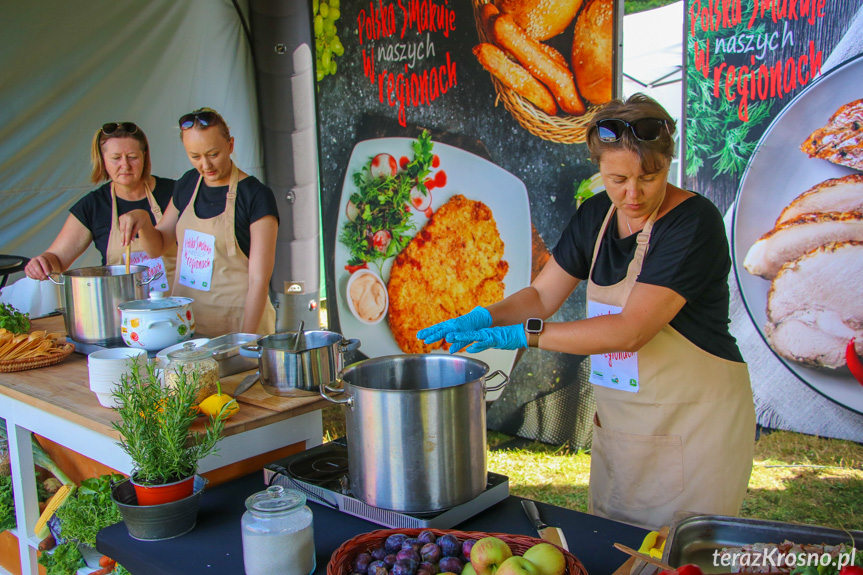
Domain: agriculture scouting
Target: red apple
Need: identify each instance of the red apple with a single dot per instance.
(547, 558)
(516, 565)
(488, 554)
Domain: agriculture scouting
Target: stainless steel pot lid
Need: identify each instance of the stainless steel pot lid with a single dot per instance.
(155, 303)
(104, 271)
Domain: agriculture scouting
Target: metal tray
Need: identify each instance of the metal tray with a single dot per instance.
(694, 538)
(226, 351)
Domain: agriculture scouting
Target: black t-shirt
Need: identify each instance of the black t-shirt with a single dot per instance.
(688, 253)
(94, 210)
(254, 201)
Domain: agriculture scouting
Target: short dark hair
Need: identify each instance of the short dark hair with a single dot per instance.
(99, 173)
(655, 154)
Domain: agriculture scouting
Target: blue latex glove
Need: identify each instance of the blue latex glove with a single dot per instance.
(503, 337)
(477, 318)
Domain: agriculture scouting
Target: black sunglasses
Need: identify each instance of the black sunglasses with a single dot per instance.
(645, 129)
(112, 128)
(204, 119)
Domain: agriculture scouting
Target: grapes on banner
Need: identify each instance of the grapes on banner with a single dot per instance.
(327, 43)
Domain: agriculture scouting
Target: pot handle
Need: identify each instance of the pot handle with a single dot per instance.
(348, 345)
(500, 385)
(325, 387)
(252, 350)
(53, 281)
(167, 322)
(147, 281)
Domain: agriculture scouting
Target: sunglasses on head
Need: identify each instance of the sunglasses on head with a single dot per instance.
(113, 127)
(204, 119)
(645, 129)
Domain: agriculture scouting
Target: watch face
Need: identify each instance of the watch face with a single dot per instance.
(534, 325)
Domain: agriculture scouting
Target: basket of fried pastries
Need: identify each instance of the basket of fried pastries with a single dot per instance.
(552, 95)
(31, 350)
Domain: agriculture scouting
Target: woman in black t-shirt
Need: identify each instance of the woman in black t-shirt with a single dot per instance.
(675, 422)
(120, 154)
(224, 224)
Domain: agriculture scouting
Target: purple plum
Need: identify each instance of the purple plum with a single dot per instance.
(408, 554)
(424, 572)
(404, 567)
(426, 537)
(431, 552)
(430, 567)
(394, 542)
(390, 560)
(362, 562)
(379, 553)
(412, 543)
(451, 565)
(377, 568)
(449, 545)
(466, 547)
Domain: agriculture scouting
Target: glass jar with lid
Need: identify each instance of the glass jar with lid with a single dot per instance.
(193, 362)
(278, 535)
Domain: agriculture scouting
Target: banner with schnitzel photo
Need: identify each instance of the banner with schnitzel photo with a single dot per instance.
(451, 147)
(774, 136)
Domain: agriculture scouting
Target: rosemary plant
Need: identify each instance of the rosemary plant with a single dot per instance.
(155, 425)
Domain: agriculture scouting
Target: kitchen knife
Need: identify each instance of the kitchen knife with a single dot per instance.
(247, 382)
(551, 534)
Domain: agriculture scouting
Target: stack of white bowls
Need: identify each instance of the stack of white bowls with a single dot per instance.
(105, 367)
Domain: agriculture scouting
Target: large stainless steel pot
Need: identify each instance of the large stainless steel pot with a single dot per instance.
(299, 361)
(91, 299)
(416, 430)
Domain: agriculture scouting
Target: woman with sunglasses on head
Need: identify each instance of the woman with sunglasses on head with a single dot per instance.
(120, 154)
(224, 224)
(675, 422)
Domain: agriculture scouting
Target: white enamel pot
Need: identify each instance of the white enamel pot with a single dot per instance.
(156, 323)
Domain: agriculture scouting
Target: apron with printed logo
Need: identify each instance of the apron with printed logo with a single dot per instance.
(115, 254)
(681, 436)
(214, 271)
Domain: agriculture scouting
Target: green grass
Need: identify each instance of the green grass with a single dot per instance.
(633, 6)
(795, 478)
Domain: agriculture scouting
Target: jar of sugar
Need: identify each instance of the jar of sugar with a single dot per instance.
(278, 536)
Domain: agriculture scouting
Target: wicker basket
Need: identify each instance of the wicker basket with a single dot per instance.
(58, 354)
(341, 563)
(563, 128)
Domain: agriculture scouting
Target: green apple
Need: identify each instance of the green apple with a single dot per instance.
(516, 565)
(488, 554)
(547, 558)
(468, 570)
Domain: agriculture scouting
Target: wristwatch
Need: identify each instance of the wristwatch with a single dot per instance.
(532, 328)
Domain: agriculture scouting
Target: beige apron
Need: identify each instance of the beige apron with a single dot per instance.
(114, 254)
(685, 441)
(221, 309)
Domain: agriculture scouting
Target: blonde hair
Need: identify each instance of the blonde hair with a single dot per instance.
(98, 172)
(655, 154)
(218, 122)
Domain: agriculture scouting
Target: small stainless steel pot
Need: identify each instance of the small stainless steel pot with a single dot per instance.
(91, 298)
(416, 429)
(298, 361)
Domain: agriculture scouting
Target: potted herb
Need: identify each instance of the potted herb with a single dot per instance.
(156, 428)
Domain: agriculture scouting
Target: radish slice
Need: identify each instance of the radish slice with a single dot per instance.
(420, 201)
(383, 166)
(351, 211)
(381, 240)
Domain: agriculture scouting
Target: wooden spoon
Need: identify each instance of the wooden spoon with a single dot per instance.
(642, 556)
(128, 256)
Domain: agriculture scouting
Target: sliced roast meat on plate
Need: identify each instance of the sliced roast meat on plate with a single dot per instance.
(833, 195)
(815, 305)
(794, 238)
(840, 140)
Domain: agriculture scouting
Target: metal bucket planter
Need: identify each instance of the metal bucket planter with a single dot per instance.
(157, 522)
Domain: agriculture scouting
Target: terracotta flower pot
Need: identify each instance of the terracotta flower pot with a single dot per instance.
(165, 493)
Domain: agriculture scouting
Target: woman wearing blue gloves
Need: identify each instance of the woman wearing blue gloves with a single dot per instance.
(675, 422)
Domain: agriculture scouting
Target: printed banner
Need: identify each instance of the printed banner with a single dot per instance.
(773, 137)
(444, 181)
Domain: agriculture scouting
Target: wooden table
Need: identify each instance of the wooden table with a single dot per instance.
(56, 402)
